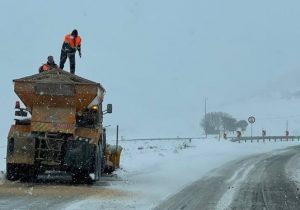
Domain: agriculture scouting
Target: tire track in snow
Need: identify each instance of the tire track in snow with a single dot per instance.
(234, 182)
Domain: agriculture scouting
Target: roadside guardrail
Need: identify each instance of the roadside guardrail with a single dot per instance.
(265, 138)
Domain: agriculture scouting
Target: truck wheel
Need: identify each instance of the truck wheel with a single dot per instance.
(99, 162)
(96, 166)
(81, 177)
(12, 172)
(109, 169)
(29, 174)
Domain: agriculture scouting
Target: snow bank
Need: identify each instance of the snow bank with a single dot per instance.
(2, 177)
(293, 170)
(2, 156)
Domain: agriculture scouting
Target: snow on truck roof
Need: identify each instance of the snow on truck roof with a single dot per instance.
(58, 76)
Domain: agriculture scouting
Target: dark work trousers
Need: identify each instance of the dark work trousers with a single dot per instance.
(63, 57)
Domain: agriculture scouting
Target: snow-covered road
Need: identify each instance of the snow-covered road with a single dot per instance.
(151, 172)
(257, 182)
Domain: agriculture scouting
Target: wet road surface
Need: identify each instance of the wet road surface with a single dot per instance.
(52, 195)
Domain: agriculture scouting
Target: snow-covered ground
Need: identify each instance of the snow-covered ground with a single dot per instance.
(2, 177)
(2, 155)
(151, 171)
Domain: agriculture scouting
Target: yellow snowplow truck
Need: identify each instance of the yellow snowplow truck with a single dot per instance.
(64, 130)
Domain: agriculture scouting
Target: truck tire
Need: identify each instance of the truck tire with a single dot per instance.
(81, 177)
(29, 173)
(99, 162)
(96, 167)
(12, 172)
(109, 169)
(20, 172)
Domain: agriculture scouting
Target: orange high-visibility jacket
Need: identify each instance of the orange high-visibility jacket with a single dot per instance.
(45, 67)
(73, 42)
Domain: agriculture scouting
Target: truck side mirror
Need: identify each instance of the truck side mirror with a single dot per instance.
(109, 108)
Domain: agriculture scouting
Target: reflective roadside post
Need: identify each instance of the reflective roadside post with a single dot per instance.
(287, 133)
(239, 135)
(264, 133)
(225, 136)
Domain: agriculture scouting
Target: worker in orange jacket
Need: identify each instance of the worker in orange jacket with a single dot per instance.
(72, 42)
(49, 65)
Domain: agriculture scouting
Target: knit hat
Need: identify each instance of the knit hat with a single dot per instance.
(74, 33)
(50, 58)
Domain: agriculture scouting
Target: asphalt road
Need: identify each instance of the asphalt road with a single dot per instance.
(260, 182)
(52, 195)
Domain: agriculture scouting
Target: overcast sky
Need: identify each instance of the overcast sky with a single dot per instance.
(157, 59)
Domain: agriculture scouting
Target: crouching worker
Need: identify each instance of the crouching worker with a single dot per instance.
(49, 65)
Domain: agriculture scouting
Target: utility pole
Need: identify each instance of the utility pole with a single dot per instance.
(205, 122)
(117, 140)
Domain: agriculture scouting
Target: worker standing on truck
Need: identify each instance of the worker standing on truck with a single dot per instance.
(72, 42)
(49, 65)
